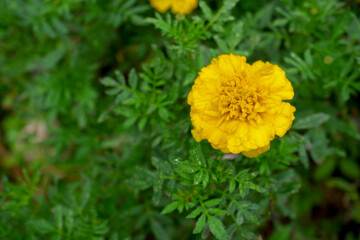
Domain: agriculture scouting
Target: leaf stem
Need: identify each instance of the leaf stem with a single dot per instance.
(230, 197)
(213, 20)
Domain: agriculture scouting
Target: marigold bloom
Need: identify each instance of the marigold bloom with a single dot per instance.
(177, 6)
(238, 107)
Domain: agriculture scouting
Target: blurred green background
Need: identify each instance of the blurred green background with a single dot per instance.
(68, 149)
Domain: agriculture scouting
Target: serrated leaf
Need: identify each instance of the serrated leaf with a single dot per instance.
(304, 159)
(311, 121)
(113, 91)
(120, 77)
(221, 44)
(133, 78)
(198, 177)
(206, 10)
(217, 211)
(108, 82)
(103, 116)
(212, 202)
(157, 191)
(242, 190)
(242, 174)
(217, 228)
(170, 207)
(250, 217)
(229, 4)
(205, 179)
(239, 217)
(200, 224)
(158, 22)
(255, 187)
(194, 213)
(130, 121)
(197, 156)
(232, 186)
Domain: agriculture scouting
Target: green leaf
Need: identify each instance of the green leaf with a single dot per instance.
(239, 217)
(170, 207)
(52, 58)
(217, 211)
(158, 22)
(142, 123)
(103, 116)
(69, 220)
(206, 10)
(85, 195)
(194, 213)
(143, 179)
(120, 77)
(130, 121)
(41, 226)
(303, 156)
(112, 91)
(255, 187)
(212, 202)
(308, 57)
(311, 121)
(349, 168)
(229, 4)
(58, 216)
(319, 148)
(325, 169)
(133, 78)
(164, 114)
(200, 224)
(198, 177)
(109, 82)
(232, 185)
(197, 156)
(217, 228)
(205, 179)
(242, 190)
(280, 22)
(340, 183)
(221, 44)
(158, 230)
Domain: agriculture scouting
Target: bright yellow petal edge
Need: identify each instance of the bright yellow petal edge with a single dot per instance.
(177, 6)
(239, 107)
(161, 5)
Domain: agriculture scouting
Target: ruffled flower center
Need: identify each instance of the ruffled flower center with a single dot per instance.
(239, 100)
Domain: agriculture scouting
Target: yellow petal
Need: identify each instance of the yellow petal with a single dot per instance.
(273, 78)
(256, 152)
(161, 5)
(183, 6)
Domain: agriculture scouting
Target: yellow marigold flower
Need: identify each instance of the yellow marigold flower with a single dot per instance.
(238, 107)
(177, 6)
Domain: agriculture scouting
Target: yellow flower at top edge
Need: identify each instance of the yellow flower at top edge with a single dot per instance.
(177, 6)
(239, 107)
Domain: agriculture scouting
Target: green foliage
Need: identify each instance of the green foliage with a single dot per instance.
(95, 132)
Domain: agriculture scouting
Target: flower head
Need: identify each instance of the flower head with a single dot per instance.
(238, 107)
(177, 6)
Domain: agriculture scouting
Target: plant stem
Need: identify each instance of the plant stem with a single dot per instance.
(213, 20)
